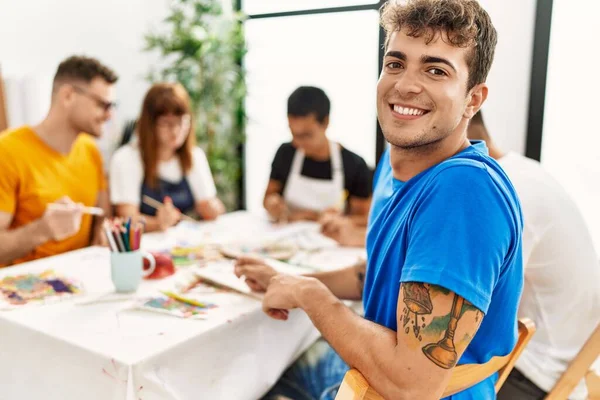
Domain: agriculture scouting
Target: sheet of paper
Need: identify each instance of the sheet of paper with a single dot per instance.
(221, 273)
(17, 291)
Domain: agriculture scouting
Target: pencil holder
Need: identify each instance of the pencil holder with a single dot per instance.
(127, 269)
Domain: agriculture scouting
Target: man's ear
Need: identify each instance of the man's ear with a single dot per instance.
(64, 94)
(326, 122)
(476, 98)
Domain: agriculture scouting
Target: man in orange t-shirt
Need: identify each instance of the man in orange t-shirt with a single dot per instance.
(54, 162)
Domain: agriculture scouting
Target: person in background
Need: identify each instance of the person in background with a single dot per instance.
(57, 161)
(562, 275)
(312, 175)
(164, 164)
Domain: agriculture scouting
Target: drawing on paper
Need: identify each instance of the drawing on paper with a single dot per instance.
(186, 255)
(36, 288)
(176, 308)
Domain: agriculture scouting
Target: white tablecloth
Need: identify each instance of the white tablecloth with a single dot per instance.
(71, 350)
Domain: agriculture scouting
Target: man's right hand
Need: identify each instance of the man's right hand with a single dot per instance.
(257, 273)
(62, 222)
(276, 207)
(167, 215)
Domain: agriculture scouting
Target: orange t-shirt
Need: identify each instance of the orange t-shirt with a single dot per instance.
(32, 174)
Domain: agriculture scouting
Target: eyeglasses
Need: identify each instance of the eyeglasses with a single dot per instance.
(182, 123)
(105, 105)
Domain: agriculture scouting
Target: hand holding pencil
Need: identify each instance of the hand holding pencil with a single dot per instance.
(167, 215)
(166, 212)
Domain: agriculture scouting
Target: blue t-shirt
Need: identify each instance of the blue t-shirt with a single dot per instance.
(458, 225)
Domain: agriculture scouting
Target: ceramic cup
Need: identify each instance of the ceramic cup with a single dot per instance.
(127, 269)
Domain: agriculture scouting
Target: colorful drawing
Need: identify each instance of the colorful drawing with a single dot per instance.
(176, 308)
(36, 288)
(186, 255)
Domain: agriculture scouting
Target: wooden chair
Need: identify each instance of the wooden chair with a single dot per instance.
(578, 370)
(355, 386)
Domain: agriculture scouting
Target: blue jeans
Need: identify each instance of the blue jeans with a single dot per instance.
(316, 375)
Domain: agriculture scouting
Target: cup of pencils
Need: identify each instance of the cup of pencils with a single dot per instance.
(126, 258)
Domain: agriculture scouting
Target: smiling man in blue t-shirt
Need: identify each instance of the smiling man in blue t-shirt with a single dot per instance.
(444, 272)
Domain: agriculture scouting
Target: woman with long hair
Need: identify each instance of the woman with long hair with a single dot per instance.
(164, 163)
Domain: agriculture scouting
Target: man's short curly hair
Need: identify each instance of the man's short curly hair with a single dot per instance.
(79, 68)
(462, 23)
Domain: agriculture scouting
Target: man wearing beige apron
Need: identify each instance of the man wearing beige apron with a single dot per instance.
(312, 175)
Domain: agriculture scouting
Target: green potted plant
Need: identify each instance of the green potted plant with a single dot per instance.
(202, 46)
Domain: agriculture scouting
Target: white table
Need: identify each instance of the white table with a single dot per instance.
(107, 351)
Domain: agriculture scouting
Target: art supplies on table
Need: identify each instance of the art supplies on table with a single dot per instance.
(305, 235)
(329, 259)
(126, 259)
(221, 274)
(41, 288)
(176, 305)
(124, 235)
(276, 250)
(187, 255)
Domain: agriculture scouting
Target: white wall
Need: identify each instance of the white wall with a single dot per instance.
(507, 107)
(35, 35)
(571, 139)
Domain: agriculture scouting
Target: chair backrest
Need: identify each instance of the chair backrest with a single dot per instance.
(355, 386)
(579, 369)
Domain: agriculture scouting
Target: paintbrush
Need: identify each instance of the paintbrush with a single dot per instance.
(149, 201)
(86, 210)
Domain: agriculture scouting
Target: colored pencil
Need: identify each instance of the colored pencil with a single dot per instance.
(124, 235)
(109, 236)
(182, 299)
(119, 239)
(138, 236)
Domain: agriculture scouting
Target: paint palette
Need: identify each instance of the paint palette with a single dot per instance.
(40, 288)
